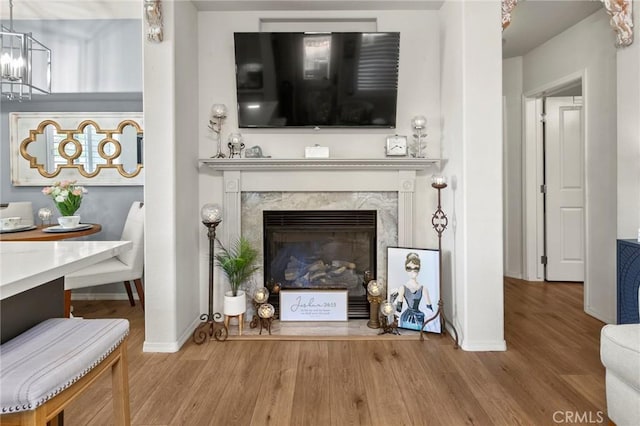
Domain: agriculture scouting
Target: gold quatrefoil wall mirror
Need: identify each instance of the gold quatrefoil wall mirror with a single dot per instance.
(92, 148)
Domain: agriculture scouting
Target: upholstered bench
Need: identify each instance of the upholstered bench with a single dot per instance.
(620, 354)
(45, 368)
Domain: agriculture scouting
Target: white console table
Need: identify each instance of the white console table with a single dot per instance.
(32, 278)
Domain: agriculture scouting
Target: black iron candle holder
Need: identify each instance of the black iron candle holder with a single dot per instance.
(439, 221)
(210, 324)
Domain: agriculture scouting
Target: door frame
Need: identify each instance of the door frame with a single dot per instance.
(533, 178)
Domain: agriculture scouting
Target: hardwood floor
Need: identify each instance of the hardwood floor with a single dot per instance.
(550, 374)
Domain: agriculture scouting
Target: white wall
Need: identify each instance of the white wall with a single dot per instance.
(161, 226)
(187, 210)
(588, 47)
(628, 127)
(512, 115)
(472, 141)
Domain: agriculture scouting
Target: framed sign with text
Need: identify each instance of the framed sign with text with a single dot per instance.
(313, 305)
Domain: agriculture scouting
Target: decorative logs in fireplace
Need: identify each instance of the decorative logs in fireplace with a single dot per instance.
(319, 273)
(327, 249)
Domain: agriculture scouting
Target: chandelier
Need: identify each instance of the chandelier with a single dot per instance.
(25, 63)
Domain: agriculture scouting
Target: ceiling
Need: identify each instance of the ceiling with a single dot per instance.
(533, 22)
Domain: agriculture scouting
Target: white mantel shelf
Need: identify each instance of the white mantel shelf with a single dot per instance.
(248, 164)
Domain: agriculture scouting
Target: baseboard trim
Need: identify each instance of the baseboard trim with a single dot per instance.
(599, 316)
(513, 274)
(171, 347)
(485, 346)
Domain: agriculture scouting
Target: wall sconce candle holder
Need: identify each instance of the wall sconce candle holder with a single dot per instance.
(439, 221)
(211, 217)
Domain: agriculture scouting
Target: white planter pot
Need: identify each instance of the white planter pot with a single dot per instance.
(235, 305)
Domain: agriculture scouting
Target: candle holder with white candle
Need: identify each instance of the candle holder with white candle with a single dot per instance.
(211, 215)
(388, 319)
(439, 221)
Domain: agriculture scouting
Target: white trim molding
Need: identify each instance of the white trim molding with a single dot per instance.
(280, 164)
(153, 18)
(621, 12)
(507, 7)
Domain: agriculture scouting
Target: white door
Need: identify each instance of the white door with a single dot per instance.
(564, 179)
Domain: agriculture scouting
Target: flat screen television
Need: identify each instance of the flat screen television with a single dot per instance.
(317, 79)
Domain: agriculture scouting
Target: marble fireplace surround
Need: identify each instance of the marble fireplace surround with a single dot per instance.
(266, 175)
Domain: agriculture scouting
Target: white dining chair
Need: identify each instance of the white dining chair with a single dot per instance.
(22, 209)
(125, 267)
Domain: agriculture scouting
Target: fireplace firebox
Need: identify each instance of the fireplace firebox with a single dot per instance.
(321, 249)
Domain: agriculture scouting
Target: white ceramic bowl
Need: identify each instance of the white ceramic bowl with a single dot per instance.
(8, 223)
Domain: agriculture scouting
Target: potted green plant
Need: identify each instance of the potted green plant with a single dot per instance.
(238, 264)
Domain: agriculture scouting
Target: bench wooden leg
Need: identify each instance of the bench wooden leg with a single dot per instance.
(120, 384)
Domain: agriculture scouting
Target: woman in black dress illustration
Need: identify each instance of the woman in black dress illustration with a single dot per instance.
(411, 293)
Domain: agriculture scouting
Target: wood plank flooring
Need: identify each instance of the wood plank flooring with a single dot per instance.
(551, 370)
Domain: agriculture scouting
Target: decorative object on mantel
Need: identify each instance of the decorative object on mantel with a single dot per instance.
(439, 222)
(218, 114)
(153, 16)
(260, 296)
(45, 216)
(418, 123)
(266, 312)
(25, 64)
(238, 264)
(621, 12)
(507, 7)
(255, 152)
(388, 319)
(211, 215)
(316, 151)
(396, 146)
(375, 291)
(235, 145)
(67, 197)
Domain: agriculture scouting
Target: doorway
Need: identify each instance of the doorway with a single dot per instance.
(554, 182)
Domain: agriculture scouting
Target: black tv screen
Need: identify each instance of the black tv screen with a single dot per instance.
(317, 79)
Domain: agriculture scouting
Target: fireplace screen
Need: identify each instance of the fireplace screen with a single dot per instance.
(320, 248)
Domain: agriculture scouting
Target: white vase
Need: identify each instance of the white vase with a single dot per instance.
(69, 221)
(235, 305)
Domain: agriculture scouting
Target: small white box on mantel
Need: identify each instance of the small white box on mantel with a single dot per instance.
(316, 151)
